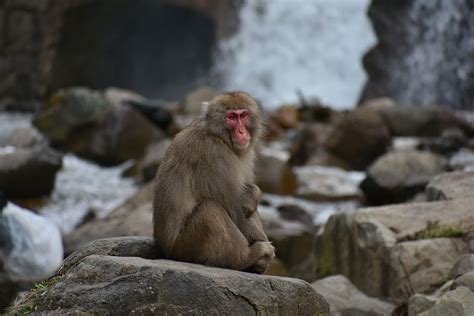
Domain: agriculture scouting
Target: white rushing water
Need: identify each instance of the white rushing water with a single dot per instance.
(82, 187)
(315, 46)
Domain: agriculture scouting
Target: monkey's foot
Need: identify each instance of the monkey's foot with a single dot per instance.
(264, 261)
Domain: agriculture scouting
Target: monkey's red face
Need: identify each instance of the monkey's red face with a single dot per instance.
(238, 120)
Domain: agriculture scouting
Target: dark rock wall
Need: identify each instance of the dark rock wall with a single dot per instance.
(425, 52)
(157, 50)
(28, 36)
(46, 44)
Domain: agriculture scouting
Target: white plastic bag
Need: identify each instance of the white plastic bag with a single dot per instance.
(31, 247)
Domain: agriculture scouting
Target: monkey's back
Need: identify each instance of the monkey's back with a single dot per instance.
(198, 166)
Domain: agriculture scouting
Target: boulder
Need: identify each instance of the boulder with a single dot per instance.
(119, 134)
(395, 250)
(192, 103)
(358, 138)
(272, 171)
(419, 303)
(422, 121)
(462, 160)
(145, 169)
(459, 302)
(466, 280)
(406, 143)
(88, 124)
(286, 117)
(69, 110)
(450, 141)
(307, 141)
(28, 172)
(345, 299)
(307, 148)
(125, 246)
(133, 218)
(464, 265)
(117, 96)
(157, 111)
(296, 253)
(327, 183)
(378, 103)
(97, 283)
(293, 212)
(398, 176)
(293, 240)
(26, 137)
(452, 185)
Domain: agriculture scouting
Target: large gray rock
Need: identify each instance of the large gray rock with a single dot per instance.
(425, 121)
(145, 168)
(90, 125)
(345, 299)
(125, 246)
(293, 239)
(466, 280)
(453, 185)
(296, 253)
(193, 102)
(462, 160)
(458, 302)
(273, 173)
(395, 250)
(69, 110)
(416, 62)
(358, 138)
(110, 285)
(28, 172)
(307, 147)
(398, 176)
(327, 184)
(25, 137)
(464, 265)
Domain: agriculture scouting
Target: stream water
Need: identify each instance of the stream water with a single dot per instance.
(314, 46)
(81, 187)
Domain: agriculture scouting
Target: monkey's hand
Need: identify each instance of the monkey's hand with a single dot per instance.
(252, 196)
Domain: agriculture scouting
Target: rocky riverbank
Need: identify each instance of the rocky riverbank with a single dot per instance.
(375, 202)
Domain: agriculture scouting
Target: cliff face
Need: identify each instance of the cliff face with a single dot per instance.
(45, 45)
(424, 54)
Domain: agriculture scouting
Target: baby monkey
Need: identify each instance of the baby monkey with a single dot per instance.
(205, 202)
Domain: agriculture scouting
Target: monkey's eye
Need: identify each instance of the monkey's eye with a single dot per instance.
(244, 115)
(232, 116)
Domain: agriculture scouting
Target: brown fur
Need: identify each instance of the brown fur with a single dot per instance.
(205, 200)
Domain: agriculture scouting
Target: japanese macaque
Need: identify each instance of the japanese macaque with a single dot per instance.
(205, 204)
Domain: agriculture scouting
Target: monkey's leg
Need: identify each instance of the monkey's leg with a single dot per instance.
(210, 237)
(254, 232)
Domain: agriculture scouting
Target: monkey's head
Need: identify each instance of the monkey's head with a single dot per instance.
(234, 117)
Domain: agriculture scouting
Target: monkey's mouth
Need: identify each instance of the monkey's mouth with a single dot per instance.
(241, 146)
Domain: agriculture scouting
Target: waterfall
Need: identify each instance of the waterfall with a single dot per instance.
(315, 46)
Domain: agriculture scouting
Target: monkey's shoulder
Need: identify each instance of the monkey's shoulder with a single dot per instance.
(193, 145)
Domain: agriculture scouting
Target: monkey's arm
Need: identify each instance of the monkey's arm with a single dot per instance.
(251, 198)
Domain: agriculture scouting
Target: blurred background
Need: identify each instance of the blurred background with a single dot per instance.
(367, 103)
